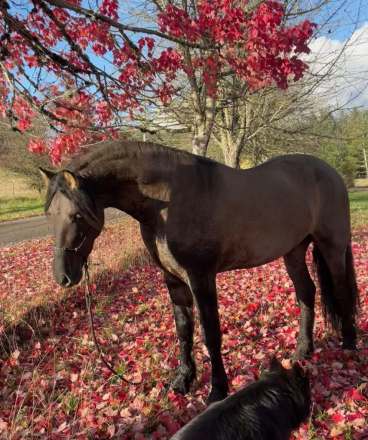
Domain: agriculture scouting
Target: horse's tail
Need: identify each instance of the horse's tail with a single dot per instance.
(330, 305)
(354, 300)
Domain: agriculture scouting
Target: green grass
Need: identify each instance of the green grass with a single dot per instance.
(12, 208)
(17, 200)
(359, 209)
(361, 183)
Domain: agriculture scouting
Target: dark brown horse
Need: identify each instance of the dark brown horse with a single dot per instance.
(199, 218)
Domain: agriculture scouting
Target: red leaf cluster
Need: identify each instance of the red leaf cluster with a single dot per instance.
(68, 85)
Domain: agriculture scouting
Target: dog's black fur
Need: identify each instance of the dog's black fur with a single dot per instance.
(269, 409)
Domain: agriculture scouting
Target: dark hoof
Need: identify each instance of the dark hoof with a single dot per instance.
(181, 383)
(216, 395)
(302, 352)
(349, 345)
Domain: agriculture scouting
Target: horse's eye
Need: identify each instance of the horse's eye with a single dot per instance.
(77, 217)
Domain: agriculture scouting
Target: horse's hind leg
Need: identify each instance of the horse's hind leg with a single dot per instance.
(305, 293)
(339, 292)
(182, 300)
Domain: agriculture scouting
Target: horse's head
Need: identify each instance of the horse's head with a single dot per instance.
(77, 220)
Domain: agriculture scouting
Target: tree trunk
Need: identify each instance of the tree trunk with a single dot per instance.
(365, 162)
(232, 158)
(204, 109)
(204, 121)
(199, 145)
(232, 143)
(230, 149)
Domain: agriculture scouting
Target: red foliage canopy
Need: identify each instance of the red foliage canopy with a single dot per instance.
(88, 72)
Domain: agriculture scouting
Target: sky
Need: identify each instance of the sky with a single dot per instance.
(347, 44)
(348, 84)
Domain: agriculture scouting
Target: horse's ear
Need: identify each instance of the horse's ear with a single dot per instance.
(70, 179)
(46, 176)
(275, 364)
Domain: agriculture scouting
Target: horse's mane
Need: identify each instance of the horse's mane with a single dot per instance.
(110, 158)
(94, 159)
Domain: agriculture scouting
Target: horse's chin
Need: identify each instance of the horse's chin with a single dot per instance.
(77, 280)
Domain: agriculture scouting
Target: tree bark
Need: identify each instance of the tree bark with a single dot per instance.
(232, 158)
(232, 141)
(199, 144)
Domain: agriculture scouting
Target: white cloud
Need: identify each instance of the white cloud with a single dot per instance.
(344, 66)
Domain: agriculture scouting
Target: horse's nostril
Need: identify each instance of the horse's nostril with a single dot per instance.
(65, 281)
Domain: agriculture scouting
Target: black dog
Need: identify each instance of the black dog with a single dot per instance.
(269, 409)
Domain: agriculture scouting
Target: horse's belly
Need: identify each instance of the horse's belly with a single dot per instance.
(246, 254)
(245, 263)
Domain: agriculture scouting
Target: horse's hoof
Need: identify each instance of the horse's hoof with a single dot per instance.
(302, 352)
(349, 345)
(181, 383)
(216, 395)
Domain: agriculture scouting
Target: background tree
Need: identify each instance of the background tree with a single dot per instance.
(15, 157)
(252, 125)
(89, 72)
(342, 143)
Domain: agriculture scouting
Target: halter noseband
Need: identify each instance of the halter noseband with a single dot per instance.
(65, 249)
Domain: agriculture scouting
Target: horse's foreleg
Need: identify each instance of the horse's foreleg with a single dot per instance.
(182, 299)
(305, 292)
(204, 291)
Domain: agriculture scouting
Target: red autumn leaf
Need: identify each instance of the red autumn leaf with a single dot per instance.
(337, 418)
(353, 394)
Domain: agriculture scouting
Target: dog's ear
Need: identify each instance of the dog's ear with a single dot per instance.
(275, 365)
(299, 370)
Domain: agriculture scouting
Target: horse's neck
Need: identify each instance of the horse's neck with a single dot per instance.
(136, 187)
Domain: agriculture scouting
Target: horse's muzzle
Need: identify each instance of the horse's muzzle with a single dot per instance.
(68, 273)
(65, 281)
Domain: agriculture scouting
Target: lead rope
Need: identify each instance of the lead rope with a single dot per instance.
(90, 316)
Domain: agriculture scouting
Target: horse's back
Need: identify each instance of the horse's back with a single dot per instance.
(271, 208)
(332, 225)
(317, 184)
(302, 170)
(225, 218)
(324, 188)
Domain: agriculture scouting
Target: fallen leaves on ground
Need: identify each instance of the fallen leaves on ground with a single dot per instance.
(53, 386)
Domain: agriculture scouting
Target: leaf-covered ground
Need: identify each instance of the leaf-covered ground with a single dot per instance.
(53, 386)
